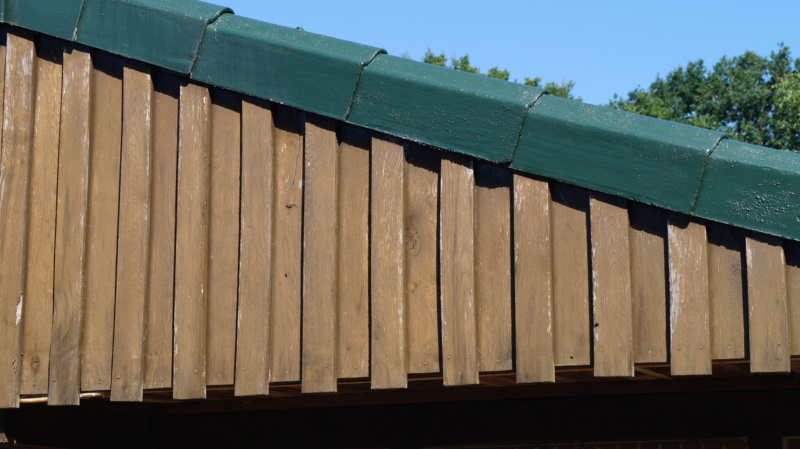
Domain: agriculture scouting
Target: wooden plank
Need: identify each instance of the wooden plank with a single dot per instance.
(191, 252)
(133, 248)
(648, 240)
(533, 288)
(766, 294)
(254, 322)
(726, 292)
(690, 338)
(73, 179)
(353, 326)
(459, 339)
(422, 244)
(37, 314)
(792, 251)
(102, 222)
(320, 256)
(569, 217)
(161, 280)
(493, 267)
(223, 264)
(388, 361)
(611, 287)
(287, 244)
(18, 114)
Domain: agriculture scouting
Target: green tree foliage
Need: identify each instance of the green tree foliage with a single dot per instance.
(563, 90)
(754, 99)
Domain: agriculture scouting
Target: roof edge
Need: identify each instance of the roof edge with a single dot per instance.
(502, 122)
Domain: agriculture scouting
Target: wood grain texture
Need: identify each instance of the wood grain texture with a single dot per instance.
(37, 314)
(161, 279)
(611, 287)
(353, 282)
(421, 250)
(648, 240)
(133, 248)
(726, 291)
(493, 267)
(73, 180)
(690, 351)
(320, 256)
(102, 222)
(459, 329)
(766, 294)
(388, 358)
(191, 253)
(254, 319)
(569, 217)
(287, 244)
(792, 251)
(533, 291)
(223, 264)
(18, 114)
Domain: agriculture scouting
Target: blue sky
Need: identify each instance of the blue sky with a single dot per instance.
(605, 47)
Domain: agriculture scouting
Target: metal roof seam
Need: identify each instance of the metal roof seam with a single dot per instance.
(703, 173)
(358, 83)
(522, 125)
(78, 22)
(203, 38)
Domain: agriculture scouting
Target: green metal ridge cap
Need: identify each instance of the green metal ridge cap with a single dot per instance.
(633, 156)
(57, 18)
(166, 33)
(752, 187)
(305, 70)
(457, 111)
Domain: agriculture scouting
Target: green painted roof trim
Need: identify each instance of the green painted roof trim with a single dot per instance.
(673, 166)
(629, 155)
(446, 108)
(752, 187)
(166, 33)
(306, 70)
(57, 18)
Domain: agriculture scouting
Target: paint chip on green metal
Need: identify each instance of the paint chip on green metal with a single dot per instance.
(649, 160)
(305, 70)
(166, 33)
(54, 18)
(446, 108)
(752, 187)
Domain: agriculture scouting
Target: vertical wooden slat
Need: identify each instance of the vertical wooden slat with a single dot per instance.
(287, 244)
(37, 315)
(459, 339)
(726, 292)
(191, 253)
(533, 293)
(102, 222)
(160, 292)
(792, 251)
(421, 249)
(611, 281)
(570, 206)
(493, 266)
(73, 174)
(254, 319)
(133, 249)
(690, 339)
(647, 239)
(14, 174)
(320, 256)
(223, 261)
(353, 332)
(388, 358)
(766, 294)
